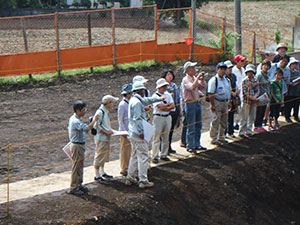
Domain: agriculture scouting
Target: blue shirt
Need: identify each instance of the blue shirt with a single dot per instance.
(77, 129)
(123, 114)
(223, 90)
(285, 77)
(172, 88)
(137, 113)
(102, 123)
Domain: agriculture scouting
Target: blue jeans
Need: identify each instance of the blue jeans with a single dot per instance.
(194, 124)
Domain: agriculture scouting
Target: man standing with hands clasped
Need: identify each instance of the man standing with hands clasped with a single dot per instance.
(219, 90)
(192, 84)
(139, 147)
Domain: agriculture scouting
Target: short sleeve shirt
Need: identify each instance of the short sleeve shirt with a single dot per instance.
(222, 90)
(276, 88)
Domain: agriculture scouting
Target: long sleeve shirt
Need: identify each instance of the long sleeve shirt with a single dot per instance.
(77, 129)
(137, 113)
(250, 89)
(102, 123)
(123, 114)
(172, 88)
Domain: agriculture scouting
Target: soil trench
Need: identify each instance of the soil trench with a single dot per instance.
(253, 181)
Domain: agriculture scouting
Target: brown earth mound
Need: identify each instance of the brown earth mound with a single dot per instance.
(253, 181)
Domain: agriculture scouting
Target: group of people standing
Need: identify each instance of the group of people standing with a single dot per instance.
(253, 95)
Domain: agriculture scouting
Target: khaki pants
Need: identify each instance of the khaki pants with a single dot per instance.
(217, 127)
(125, 153)
(77, 152)
(248, 118)
(162, 127)
(138, 160)
(101, 153)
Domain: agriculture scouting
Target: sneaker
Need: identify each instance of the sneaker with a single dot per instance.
(123, 173)
(223, 141)
(165, 158)
(155, 161)
(182, 145)
(190, 150)
(276, 127)
(271, 128)
(146, 184)
(262, 129)
(129, 181)
(84, 189)
(76, 192)
(215, 143)
(107, 176)
(232, 136)
(242, 135)
(100, 179)
(171, 151)
(288, 120)
(257, 129)
(236, 127)
(201, 148)
(297, 119)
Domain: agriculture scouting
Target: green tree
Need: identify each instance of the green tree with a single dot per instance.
(29, 4)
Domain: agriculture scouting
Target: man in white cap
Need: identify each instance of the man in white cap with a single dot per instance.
(292, 99)
(281, 50)
(125, 151)
(102, 138)
(192, 84)
(162, 121)
(139, 147)
(147, 93)
(219, 90)
(250, 92)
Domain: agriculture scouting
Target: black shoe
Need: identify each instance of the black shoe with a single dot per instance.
(297, 119)
(215, 143)
(84, 189)
(123, 173)
(99, 179)
(201, 148)
(171, 151)
(155, 161)
(265, 122)
(76, 192)
(223, 141)
(165, 158)
(182, 145)
(242, 136)
(191, 150)
(107, 176)
(236, 127)
(288, 120)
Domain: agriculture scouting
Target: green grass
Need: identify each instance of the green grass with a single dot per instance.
(54, 75)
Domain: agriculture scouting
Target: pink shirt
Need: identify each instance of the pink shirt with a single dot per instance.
(190, 94)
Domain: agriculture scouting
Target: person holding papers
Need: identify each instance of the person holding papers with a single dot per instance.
(162, 121)
(139, 147)
(102, 138)
(123, 126)
(77, 134)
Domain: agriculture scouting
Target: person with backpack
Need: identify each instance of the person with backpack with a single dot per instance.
(250, 92)
(102, 138)
(219, 92)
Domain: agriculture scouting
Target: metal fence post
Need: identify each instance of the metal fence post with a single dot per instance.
(7, 191)
(57, 44)
(224, 37)
(90, 35)
(193, 27)
(113, 37)
(25, 40)
(254, 47)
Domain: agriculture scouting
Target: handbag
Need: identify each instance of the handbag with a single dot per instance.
(236, 100)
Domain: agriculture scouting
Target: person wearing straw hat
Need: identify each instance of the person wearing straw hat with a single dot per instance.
(162, 121)
(292, 99)
(77, 135)
(139, 147)
(192, 84)
(125, 151)
(219, 91)
(234, 95)
(102, 138)
(250, 93)
(281, 49)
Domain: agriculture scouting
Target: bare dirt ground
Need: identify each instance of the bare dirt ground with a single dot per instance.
(253, 181)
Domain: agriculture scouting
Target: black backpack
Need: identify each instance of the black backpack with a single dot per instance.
(93, 130)
(207, 95)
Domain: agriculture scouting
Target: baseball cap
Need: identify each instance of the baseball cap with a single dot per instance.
(108, 99)
(188, 64)
(239, 58)
(228, 63)
(221, 64)
(250, 67)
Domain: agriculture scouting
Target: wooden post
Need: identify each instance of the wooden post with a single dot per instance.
(7, 191)
(57, 44)
(90, 35)
(113, 37)
(25, 40)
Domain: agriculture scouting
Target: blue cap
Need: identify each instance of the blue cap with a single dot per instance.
(221, 64)
(126, 89)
